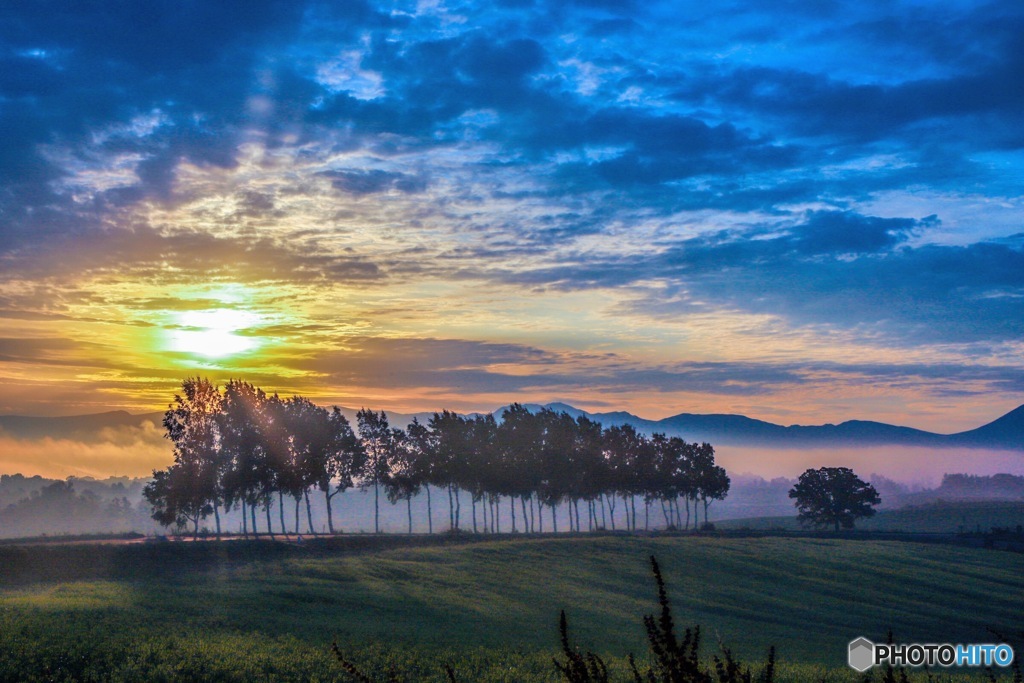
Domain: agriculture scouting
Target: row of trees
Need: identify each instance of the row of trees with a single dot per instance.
(242, 448)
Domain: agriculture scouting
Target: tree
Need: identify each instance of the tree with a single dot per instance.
(240, 422)
(191, 489)
(177, 497)
(833, 495)
(380, 443)
(403, 479)
(710, 480)
(449, 439)
(422, 448)
(336, 458)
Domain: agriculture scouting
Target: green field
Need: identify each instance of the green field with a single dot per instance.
(248, 611)
(941, 517)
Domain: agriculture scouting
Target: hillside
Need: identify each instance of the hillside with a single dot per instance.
(490, 608)
(938, 517)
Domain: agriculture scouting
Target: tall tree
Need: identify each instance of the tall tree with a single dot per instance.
(403, 479)
(337, 460)
(450, 438)
(191, 425)
(422, 451)
(710, 480)
(304, 435)
(521, 440)
(380, 445)
(240, 421)
(624, 448)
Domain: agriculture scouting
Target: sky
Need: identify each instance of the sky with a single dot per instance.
(804, 212)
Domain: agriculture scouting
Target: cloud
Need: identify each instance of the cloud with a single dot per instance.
(131, 451)
(361, 182)
(836, 268)
(606, 170)
(151, 254)
(836, 232)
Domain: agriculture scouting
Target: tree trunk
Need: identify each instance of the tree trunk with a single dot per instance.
(554, 518)
(245, 522)
(252, 513)
(472, 502)
(512, 511)
(430, 513)
(540, 516)
(195, 528)
(451, 509)
(611, 508)
(705, 499)
(266, 508)
(280, 503)
(216, 516)
(458, 507)
(309, 513)
(408, 502)
(330, 516)
(376, 507)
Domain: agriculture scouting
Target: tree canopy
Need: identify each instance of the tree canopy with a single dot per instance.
(240, 447)
(833, 496)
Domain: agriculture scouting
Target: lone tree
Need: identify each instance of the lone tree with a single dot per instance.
(833, 495)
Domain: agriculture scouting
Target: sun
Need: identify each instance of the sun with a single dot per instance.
(214, 333)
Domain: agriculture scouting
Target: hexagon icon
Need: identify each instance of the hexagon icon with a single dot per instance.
(862, 654)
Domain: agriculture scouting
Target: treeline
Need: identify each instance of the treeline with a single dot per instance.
(996, 486)
(58, 508)
(242, 448)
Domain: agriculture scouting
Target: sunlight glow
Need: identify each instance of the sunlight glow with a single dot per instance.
(214, 333)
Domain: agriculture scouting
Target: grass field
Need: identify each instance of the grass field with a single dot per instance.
(942, 517)
(247, 611)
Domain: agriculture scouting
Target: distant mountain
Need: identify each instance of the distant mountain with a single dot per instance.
(1007, 432)
(738, 430)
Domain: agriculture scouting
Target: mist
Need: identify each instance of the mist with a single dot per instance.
(123, 451)
(911, 465)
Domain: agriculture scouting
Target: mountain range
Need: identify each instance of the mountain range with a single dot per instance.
(1006, 432)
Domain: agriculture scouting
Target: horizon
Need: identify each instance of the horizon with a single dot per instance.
(541, 403)
(801, 215)
(135, 450)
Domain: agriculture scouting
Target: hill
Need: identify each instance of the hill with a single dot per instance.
(937, 517)
(1007, 432)
(238, 611)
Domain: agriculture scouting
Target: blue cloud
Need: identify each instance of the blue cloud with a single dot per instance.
(594, 116)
